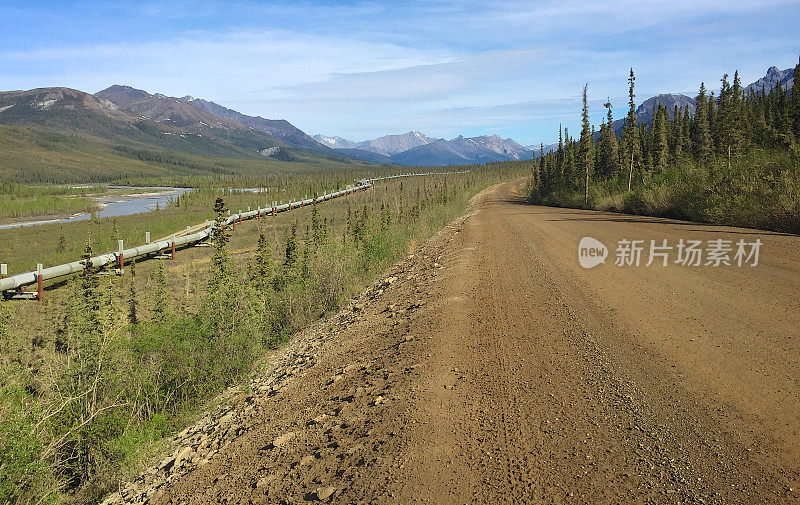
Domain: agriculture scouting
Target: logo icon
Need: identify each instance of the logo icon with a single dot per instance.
(591, 252)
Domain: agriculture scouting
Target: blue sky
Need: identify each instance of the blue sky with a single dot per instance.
(365, 69)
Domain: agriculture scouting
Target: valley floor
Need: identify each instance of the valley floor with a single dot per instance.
(489, 367)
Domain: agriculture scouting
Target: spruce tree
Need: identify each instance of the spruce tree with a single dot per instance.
(560, 156)
(687, 131)
(262, 267)
(160, 302)
(737, 109)
(290, 251)
(676, 138)
(701, 138)
(316, 227)
(713, 122)
(220, 234)
(219, 259)
(586, 146)
(660, 148)
(630, 139)
(796, 102)
(608, 146)
(133, 300)
(89, 289)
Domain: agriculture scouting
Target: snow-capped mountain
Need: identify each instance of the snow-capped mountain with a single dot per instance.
(416, 149)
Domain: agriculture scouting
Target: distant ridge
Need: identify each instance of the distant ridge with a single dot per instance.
(65, 110)
(416, 149)
(278, 128)
(771, 79)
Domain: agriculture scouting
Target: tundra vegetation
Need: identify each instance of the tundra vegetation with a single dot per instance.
(735, 161)
(95, 376)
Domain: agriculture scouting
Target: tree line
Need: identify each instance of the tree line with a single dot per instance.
(682, 155)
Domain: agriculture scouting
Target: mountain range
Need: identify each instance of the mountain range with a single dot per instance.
(416, 149)
(412, 148)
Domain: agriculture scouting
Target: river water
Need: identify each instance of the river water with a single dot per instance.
(117, 205)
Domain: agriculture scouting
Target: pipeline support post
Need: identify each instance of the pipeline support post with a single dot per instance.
(40, 282)
(121, 258)
(147, 238)
(3, 271)
(173, 247)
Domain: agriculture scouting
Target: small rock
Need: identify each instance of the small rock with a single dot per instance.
(226, 418)
(182, 454)
(378, 400)
(390, 280)
(325, 492)
(167, 464)
(306, 460)
(264, 481)
(283, 439)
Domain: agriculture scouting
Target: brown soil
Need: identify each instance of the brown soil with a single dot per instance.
(491, 368)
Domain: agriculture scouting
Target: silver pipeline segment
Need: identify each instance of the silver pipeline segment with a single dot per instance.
(412, 175)
(23, 279)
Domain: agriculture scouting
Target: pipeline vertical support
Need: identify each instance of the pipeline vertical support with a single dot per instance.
(3, 271)
(173, 247)
(188, 230)
(40, 282)
(147, 238)
(259, 212)
(121, 258)
(240, 216)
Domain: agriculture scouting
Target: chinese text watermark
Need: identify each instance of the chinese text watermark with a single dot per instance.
(685, 253)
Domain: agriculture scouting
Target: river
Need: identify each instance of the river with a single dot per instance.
(116, 205)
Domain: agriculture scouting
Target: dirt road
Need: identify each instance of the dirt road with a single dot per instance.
(491, 368)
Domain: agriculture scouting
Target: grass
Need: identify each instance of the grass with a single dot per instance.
(148, 379)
